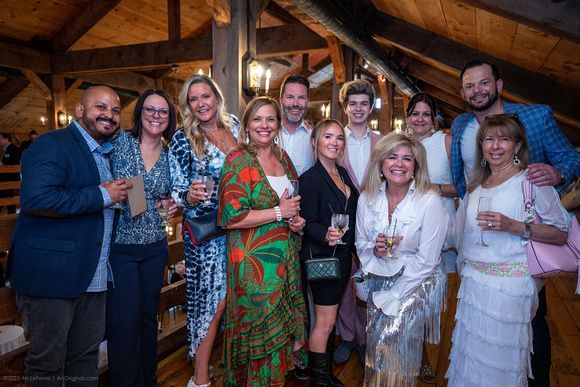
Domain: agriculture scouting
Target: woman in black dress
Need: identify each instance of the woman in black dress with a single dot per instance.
(326, 189)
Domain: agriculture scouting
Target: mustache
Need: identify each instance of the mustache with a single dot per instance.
(108, 120)
(295, 107)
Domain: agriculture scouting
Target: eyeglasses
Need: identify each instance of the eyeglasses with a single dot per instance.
(150, 111)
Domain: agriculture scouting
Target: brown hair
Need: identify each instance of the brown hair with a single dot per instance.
(244, 141)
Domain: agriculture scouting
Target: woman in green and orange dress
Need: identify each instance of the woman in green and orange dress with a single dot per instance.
(265, 311)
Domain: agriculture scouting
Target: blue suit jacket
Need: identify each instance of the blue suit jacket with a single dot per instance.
(58, 235)
(546, 143)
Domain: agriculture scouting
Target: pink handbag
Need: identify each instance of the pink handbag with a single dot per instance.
(545, 259)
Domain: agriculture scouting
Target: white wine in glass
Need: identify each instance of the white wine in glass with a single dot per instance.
(209, 184)
(340, 222)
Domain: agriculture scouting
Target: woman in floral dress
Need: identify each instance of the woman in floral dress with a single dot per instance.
(199, 149)
(265, 312)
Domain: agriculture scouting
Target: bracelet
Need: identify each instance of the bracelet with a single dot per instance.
(278, 213)
(439, 190)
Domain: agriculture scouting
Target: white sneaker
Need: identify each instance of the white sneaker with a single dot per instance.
(190, 383)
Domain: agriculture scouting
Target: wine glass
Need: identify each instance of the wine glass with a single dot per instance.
(340, 222)
(292, 189)
(392, 240)
(484, 204)
(163, 211)
(209, 184)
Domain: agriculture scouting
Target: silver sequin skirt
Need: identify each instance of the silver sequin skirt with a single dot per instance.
(394, 344)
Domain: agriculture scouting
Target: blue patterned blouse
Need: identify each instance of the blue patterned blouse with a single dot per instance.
(127, 161)
(186, 167)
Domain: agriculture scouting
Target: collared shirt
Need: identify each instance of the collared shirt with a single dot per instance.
(100, 154)
(359, 152)
(299, 147)
(468, 143)
(421, 219)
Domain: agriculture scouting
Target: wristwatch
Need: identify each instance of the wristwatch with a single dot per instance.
(527, 233)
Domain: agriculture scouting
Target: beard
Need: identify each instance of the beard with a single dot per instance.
(491, 99)
(293, 119)
(90, 126)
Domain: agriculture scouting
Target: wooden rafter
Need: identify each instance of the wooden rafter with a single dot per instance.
(82, 23)
(11, 88)
(221, 11)
(173, 20)
(273, 41)
(556, 17)
(520, 84)
(19, 56)
(70, 91)
(38, 83)
(337, 59)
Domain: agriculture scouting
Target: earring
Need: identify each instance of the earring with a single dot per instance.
(483, 163)
(517, 161)
(409, 132)
(276, 139)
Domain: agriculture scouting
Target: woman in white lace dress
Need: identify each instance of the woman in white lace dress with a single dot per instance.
(492, 338)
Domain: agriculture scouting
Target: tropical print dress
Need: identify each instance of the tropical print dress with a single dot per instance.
(265, 310)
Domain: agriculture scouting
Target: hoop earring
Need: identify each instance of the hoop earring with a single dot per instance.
(276, 139)
(409, 132)
(483, 162)
(517, 161)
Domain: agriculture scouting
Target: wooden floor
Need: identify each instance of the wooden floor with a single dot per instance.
(563, 318)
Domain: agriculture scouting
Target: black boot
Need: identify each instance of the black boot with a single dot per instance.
(321, 371)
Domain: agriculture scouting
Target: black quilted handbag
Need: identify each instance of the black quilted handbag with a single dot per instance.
(322, 269)
(203, 228)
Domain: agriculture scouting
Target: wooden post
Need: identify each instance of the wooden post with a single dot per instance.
(229, 45)
(349, 60)
(386, 110)
(57, 101)
(389, 106)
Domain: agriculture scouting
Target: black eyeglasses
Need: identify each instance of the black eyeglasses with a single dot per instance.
(150, 111)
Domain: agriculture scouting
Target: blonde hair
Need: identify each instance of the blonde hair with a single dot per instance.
(386, 147)
(506, 125)
(191, 125)
(317, 133)
(244, 141)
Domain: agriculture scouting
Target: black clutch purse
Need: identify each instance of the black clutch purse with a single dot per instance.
(322, 269)
(203, 228)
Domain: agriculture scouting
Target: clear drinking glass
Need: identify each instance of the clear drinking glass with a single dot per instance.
(484, 204)
(292, 189)
(340, 222)
(163, 211)
(209, 184)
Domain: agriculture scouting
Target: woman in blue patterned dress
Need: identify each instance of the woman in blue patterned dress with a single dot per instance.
(139, 250)
(199, 149)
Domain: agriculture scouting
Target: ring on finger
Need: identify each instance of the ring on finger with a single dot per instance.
(489, 224)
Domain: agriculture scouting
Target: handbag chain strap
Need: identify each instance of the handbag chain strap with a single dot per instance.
(333, 251)
(531, 215)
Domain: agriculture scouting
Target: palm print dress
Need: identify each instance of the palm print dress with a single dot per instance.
(265, 310)
(205, 265)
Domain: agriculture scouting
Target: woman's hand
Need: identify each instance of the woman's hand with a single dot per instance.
(296, 224)
(495, 221)
(172, 209)
(289, 207)
(333, 235)
(196, 192)
(381, 245)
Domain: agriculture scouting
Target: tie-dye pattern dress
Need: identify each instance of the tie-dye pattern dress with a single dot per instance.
(265, 311)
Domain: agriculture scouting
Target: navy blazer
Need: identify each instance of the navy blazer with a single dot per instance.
(320, 197)
(58, 235)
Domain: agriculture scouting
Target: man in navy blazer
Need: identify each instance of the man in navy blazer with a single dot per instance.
(58, 264)
(553, 161)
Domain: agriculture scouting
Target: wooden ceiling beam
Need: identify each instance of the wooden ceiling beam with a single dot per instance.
(19, 57)
(272, 41)
(11, 88)
(559, 18)
(38, 83)
(121, 80)
(82, 23)
(335, 50)
(70, 91)
(519, 83)
(221, 11)
(173, 20)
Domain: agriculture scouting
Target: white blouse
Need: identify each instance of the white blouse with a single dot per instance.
(507, 199)
(421, 220)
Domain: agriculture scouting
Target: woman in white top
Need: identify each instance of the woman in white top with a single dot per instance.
(421, 120)
(405, 289)
(492, 338)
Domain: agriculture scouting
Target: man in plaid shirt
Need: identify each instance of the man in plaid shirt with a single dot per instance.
(553, 161)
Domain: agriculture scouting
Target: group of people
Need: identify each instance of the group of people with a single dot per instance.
(84, 268)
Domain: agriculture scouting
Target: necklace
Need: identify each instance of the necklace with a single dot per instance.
(219, 141)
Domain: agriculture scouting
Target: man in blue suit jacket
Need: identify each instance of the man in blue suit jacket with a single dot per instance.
(553, 161)
(58, 264)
